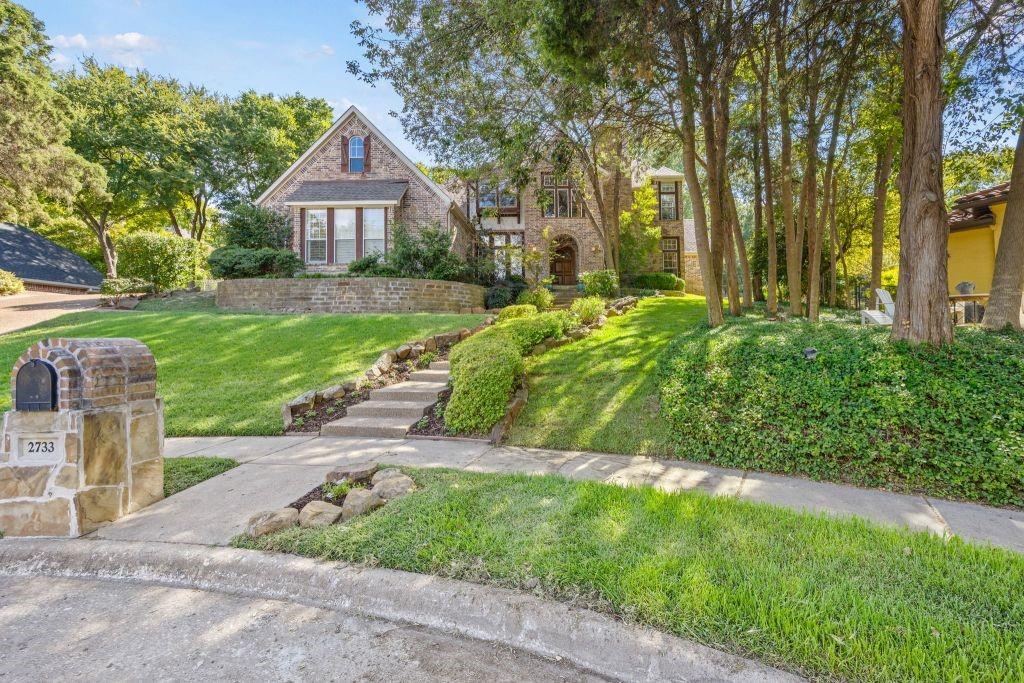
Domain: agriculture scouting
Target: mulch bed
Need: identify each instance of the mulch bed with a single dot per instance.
(329, 411)
(316, 494)
(432, 424)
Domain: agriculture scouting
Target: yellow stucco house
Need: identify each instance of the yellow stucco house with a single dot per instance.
(975, 223)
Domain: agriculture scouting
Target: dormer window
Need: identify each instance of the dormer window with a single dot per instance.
(356, 155)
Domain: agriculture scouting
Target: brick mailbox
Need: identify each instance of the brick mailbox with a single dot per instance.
(83, 445)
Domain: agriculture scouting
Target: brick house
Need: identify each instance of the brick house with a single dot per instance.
(349, 188)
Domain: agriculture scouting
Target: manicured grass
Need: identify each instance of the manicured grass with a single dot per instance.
(182, 473)
(830, 598)
(601, 393)
(229, 373)
(948, 422)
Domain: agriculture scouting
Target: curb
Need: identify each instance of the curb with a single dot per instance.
(591, 641)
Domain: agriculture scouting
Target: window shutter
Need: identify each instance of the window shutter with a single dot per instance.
(344, 154)
(366, 154)
(302, 234)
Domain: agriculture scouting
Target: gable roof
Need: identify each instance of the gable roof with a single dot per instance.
(390, 191)
(974, 210)
(34, 258)
(354, 111)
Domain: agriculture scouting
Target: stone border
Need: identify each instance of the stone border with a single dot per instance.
(410, 350)
(591, 641)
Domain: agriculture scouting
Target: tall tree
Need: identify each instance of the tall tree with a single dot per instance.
(1006, 302)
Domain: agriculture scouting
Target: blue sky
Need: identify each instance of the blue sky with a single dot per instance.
(228, 46)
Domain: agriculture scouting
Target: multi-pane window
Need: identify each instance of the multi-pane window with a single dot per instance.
(356, 155)
(316, 235)
(488, 195)
(508, 257)
(497, 195)
(670, 255)
(344, 235)
(373, 231)
(668, 197)
(559, 198)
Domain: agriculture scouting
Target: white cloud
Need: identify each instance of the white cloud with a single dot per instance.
(60, 60)
(133, 41)
(64, 42)
(324, 50)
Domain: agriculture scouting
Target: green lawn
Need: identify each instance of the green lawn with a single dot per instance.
(830, 598)
(182, 473)
(601, 393)
(229, 373)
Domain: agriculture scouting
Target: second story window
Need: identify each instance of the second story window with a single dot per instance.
(356, 155)
(668, 201)
(488, 195)
(559, 199)
(497, 196)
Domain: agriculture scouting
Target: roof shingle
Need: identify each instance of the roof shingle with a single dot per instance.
(32, 257)
(348, 191)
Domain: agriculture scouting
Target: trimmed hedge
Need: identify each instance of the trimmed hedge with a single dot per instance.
(944, 421)
(242, 262)
(486, 368)
(164, 260)
(516, 311)
(664, 281)
(10, 283)
(538, 296)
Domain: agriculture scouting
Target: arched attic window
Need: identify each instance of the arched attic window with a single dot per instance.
(356, 155)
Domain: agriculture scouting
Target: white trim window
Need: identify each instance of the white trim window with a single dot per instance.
(344, 236)
(356, 155)
(373, 231)
(316, 235)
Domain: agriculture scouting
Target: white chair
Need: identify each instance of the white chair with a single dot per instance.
(883, 317)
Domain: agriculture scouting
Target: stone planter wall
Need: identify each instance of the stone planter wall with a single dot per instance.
(349, 295)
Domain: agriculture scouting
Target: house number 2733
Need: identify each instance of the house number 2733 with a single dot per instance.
(40, 446)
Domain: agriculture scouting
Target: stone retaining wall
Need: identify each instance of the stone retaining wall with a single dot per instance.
(349, 295)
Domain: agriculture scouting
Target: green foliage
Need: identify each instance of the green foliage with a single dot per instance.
(833, 599)
(182, 473)
(525, 333)
(10, 283)
(335, 492)
(426, 255)
(639, 237)
(113, 289)
(164, 260)
(372, 265)
(517, 311)
(255, 227)
(603, 283)
(485, 370)
(666, 282)
(426, 358)
(949, 422)
(588, 309)
(239, 262)
(539, 297)
(504, 293)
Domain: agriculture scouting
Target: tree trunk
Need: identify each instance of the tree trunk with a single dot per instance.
(741, 248)
(99, 226)
(756, 280)
(794, 255)
(1007, 295)
(922, 302)
(769, 202)
(883, 169)
(809, 202)
(730, 273)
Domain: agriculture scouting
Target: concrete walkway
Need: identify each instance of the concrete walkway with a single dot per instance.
(279, 469)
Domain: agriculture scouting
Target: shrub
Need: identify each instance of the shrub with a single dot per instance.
(538, 296)
(588, 309)
(664, 281)
(254, 227)
(947, 421)
(517, 311)
(164, 260)
(639, 237)
(485, 370)
(603, 283)
(116, 288)
(427, 254)
(504, 293)
(526, 333)
(10, 283)
(372, 265)
(239, 262)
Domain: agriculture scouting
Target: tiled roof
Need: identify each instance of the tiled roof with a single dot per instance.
(973, 210)
(349, 191)
(32, 257)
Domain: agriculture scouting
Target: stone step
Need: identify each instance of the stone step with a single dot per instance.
(412, 410)
(440, 365)
(409, 391)
(429, 376)
(364, 425)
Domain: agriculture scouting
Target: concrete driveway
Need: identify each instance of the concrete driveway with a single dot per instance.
(29, 308)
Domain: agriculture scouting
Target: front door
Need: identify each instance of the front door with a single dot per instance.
(563, 264)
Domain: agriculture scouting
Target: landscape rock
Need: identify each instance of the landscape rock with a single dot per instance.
(479, 309)
(403, 351)
(539, 348)
(303, 403)
(318, 513)
(612, 313)
(464, 333)
(358, 502)
(489, 321)
(386, 360)
(601, 320)
(384, 475)
(579, 333)
(392, 488)
(331, 393)
(263, 523)
(555, 343)
(417, 351)
(286, 415)
(429, 344)
(128, 303)
(355, 474)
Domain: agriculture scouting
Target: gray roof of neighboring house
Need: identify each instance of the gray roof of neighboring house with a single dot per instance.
(348, 191)
(32, 257)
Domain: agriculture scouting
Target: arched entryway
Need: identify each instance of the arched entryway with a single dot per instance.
(563, 260)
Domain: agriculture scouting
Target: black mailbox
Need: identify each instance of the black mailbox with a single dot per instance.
(35, 387)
